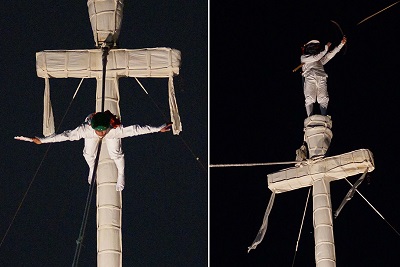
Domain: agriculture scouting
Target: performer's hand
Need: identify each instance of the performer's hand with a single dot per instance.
(344, 40)
(36, 140)
(166, 128)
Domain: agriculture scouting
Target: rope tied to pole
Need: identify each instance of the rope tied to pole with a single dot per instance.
(105, 49)
(87, 206)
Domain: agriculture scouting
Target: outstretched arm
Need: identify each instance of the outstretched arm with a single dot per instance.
(36, 140)
(28, 139)
(78, 133)
(166, 128)
(136, 129)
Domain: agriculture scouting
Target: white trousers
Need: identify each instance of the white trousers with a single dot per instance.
(114, 150)
(315, 90)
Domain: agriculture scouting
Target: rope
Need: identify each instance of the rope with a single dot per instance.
(93, 182)
(26, 193)
(38, 168)
(373, 207)
(301, 226)
(165, 118)
(253, 164)
(87, 206)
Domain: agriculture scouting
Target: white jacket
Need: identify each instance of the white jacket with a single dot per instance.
(314, 65)
(86, 131)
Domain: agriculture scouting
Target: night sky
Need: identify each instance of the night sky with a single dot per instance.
(257, 114)
(43, 189)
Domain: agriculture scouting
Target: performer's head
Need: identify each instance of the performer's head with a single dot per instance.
(313, 47)
(100, 122)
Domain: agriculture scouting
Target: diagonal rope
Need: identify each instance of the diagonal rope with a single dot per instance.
(87, 208)
(373, 208)
(166, 119)
(351, 192)
(25, 194)
(301, 226)
(38, 168)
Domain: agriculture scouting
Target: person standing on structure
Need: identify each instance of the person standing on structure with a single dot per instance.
(99, 126)
(313, 59)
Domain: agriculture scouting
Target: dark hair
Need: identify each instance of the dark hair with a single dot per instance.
(100, 121)
(103, 120)
(312, 49)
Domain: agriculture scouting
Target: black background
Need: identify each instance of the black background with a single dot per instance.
(257, 113)
(42, 196)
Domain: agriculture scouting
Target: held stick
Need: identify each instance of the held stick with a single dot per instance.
(298, 67)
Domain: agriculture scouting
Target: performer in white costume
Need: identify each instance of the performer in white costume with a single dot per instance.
(103, 125)
(313, 59)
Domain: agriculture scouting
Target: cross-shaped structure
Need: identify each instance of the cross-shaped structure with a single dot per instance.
(318, 171)
(107, 63)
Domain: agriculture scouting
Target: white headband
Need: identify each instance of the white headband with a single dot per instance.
(312, 42)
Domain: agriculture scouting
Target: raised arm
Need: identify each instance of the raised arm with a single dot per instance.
(334, 51)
